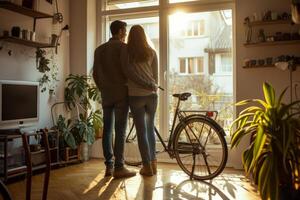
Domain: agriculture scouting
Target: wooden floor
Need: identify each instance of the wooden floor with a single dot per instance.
(86, 182)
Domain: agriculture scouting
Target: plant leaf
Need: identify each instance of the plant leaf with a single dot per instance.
(269, 94)
(259, 142)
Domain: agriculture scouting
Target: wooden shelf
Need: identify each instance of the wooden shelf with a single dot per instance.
(16, 170)
(271, 22)
(288, 42)
(262, 66)
(69, 162)
(258, 66)
(24, 11)
(26, 42)
(43, 150)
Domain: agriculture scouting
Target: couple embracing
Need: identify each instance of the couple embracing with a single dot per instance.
(127, 76)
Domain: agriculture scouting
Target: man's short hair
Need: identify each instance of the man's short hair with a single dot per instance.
(116, 26)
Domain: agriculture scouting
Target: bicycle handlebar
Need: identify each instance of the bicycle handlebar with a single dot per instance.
(161, 88)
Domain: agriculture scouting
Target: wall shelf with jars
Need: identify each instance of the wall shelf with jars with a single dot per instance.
(24, 37)
(278, 38)
(270, 43)
(29, 43)
(23, 10)
(281, 62)
(270, 22)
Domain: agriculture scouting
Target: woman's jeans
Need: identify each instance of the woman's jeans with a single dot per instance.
(143, 110)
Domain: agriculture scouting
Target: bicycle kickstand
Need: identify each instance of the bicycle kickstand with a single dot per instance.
(193, 167)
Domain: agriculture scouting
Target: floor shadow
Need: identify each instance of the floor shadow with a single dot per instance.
(97, 188)
(192, 189)
(231, 184)
(111, 189)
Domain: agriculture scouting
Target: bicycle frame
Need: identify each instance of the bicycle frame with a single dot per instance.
(186, 138)
(181, 115)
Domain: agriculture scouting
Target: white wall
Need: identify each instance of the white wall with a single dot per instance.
(249, 81)
(91, 33)
(82, 35)
(78, 36)
(21, 65)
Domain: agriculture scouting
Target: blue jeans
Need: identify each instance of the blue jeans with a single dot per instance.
(143, 110)
(116, 112)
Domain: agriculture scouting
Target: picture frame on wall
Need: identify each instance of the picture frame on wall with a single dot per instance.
(49, 1)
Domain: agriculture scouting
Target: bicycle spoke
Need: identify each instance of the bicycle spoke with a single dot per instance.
(193, 135)
(207, 138)
(206, 163)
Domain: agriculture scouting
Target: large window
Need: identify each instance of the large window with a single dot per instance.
(197, 56)
(151, 27)
(194, 49)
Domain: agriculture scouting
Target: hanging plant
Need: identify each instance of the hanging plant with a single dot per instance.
(44, 80)
(49, 70)
(41, 61)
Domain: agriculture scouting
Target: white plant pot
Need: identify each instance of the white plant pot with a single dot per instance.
(85, 151)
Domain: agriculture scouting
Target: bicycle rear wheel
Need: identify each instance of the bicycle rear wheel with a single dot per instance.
(200, 148)
(131, 151)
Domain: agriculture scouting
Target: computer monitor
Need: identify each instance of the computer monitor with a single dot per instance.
(19, 103)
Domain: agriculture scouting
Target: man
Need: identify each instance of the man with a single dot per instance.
(110, 77)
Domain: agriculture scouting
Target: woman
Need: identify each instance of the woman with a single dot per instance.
(143, 102)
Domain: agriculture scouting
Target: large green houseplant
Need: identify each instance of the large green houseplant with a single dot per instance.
(272, 157)
(80, 92)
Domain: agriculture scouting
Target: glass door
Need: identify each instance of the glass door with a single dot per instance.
(201, 62)
(150, 23)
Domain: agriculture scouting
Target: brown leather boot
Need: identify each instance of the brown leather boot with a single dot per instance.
(123, 173)
(154, 166)
(146, 170)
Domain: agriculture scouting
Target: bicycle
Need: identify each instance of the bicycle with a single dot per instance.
(195, 136)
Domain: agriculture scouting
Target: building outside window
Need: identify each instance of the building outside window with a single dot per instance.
(191, 66)
(195, 29)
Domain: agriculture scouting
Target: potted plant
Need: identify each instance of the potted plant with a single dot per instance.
(66, 138)
(81, 91)
(75, 132)
(296, 11)
(272, 157)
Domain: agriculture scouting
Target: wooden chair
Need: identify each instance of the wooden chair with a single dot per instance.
(28, 155)
(4, 192)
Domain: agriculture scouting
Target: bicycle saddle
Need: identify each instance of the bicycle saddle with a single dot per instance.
(183, 96)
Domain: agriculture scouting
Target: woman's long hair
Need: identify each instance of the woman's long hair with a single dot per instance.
(138, 48)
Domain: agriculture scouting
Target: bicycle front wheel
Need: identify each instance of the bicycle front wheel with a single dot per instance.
(200, 148)
(131, 151)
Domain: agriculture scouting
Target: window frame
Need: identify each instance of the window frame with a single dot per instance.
(163, 10)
